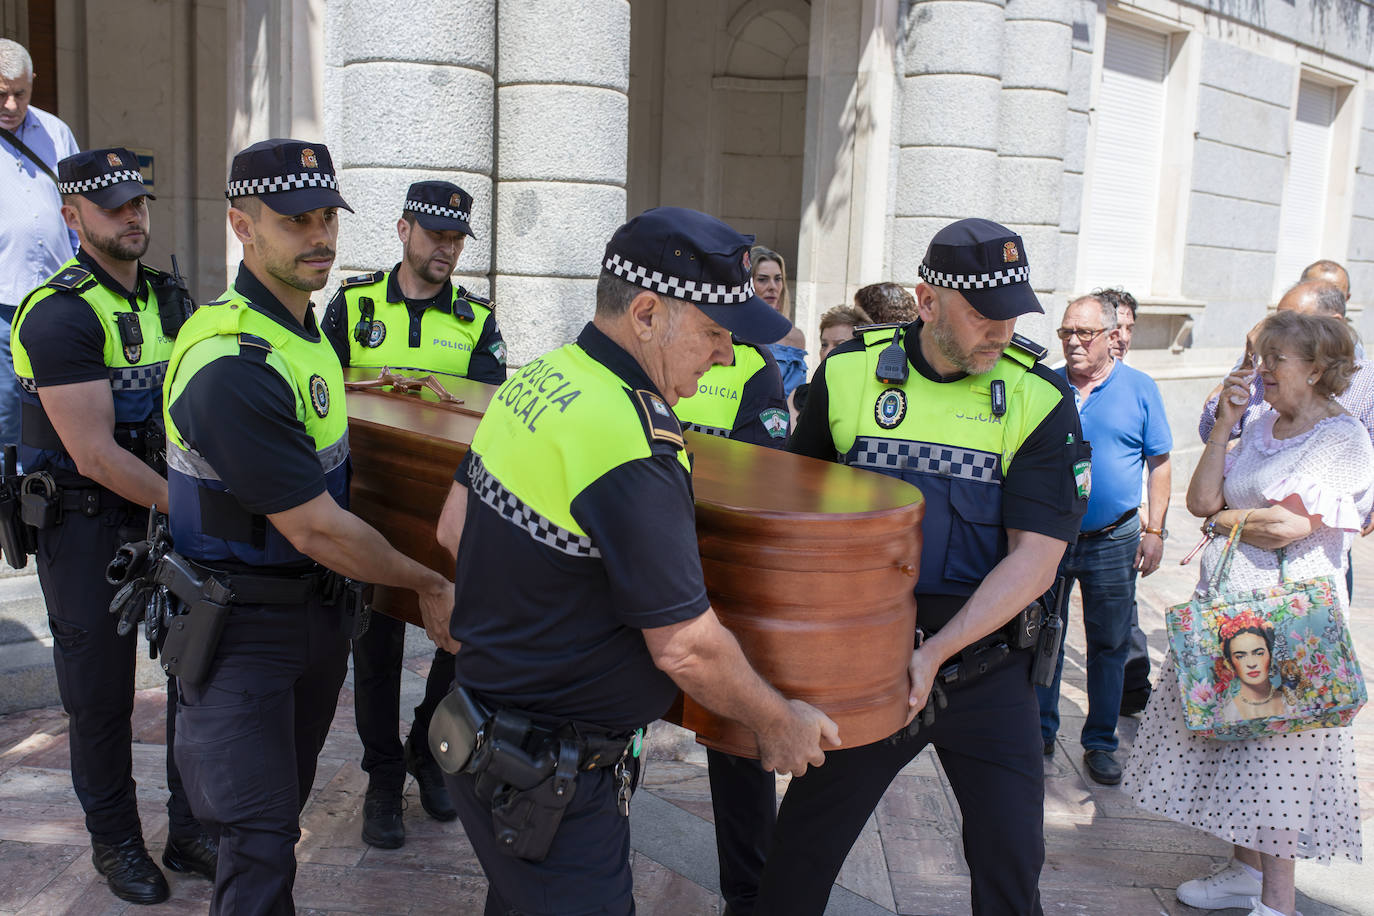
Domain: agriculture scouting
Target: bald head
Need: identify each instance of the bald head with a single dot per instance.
(1314, 297)
(1331, 272)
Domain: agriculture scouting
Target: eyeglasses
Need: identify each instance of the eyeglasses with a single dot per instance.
(1271, 361)
(1084, 335)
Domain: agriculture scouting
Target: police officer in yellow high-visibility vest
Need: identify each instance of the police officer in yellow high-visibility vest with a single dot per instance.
(580, 598)
(90, 348)
(741, 400)
(411, 317)
(257, 456)
(958, 406)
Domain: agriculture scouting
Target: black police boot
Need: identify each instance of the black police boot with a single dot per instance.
(383, 826)
(194, 854)
(130, 871)
(433, 793)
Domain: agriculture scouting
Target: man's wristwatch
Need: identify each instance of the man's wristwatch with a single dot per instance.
(1162, 533)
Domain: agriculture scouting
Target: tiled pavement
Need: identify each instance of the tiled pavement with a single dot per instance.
(1104, 855)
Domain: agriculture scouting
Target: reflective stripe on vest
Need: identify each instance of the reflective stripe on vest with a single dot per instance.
(446, 340)
(715, 407)
(136, 373)
(944, 438)
(199, 499)
(553, 429)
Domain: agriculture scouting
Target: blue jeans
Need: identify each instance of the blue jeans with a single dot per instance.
(9, 386)
(1104, 567)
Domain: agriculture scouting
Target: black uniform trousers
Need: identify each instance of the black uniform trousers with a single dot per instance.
(587, 870)
(95, 671)
(248, 740)
(744, 802)
(988, 739)
(377, 658)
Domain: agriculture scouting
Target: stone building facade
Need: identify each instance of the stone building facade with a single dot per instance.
(1192, 151)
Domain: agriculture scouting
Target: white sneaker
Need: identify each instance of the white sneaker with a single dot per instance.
(1232, 887)
(1262, 910)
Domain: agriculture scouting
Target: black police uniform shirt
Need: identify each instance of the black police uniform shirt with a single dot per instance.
(559, 635)
(1034, 493)
(240, 414)
(66, 341)
(483, 366)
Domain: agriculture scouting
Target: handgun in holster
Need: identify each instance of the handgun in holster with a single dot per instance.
(1051, 636)
(17, 538)
(191, 636)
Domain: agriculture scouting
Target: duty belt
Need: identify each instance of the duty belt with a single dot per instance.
(286, 588)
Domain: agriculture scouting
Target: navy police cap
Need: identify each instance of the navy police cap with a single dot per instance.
(688, 255)
(109, 178)
(290, 176)
(986, 263)
(440, 206)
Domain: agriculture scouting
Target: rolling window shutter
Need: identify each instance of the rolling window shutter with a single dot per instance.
(1118, 240)
(1303, 211)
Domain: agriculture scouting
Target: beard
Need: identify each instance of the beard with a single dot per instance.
(289, 271)
(424, 268)
(116, 246)
(969, 363)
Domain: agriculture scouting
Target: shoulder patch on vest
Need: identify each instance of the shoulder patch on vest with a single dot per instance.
(890, 326)
(660, 421)
(476, 299)
(363, 279)
(253, 340)
(71, 278)
(1026, 345)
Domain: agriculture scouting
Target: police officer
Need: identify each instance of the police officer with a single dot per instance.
(90, 347)
(410, 317)
(741, 400)
(257, 451)
(580, 593)
(956, 404)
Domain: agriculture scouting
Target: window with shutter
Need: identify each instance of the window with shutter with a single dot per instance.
(1117, 238)
(1302, 213)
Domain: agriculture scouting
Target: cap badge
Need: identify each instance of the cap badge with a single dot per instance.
(748, 262)
(890, 408)
(455, 201)
(308, 159)
(1009, 253)
(114, 160)
(319, 395)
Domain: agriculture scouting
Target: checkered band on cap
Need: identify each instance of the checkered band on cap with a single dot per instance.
(420, 206)
(926, 458)
(690, 290)
(975, 281)
(510, 507)
(251, 187)
(100, 181)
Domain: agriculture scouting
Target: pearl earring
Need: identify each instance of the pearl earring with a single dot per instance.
(1311, 381)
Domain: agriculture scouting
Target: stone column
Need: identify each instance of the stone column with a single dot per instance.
(409, 96)
(563, 129)
(947, 143)
(1033, 122)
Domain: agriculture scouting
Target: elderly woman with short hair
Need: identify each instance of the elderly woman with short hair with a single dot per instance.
(1305, 475)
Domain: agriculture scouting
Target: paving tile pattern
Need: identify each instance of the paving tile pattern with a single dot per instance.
(1104, 856)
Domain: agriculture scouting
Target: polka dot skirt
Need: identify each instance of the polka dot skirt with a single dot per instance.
(1293, 796)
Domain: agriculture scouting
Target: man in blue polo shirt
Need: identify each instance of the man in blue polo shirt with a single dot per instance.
(1123, 417)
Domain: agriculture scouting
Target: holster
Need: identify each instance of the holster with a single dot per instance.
(191, 636)
(525, 821)
(17, 538)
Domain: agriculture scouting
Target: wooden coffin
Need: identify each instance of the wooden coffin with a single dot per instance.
(810, 563)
